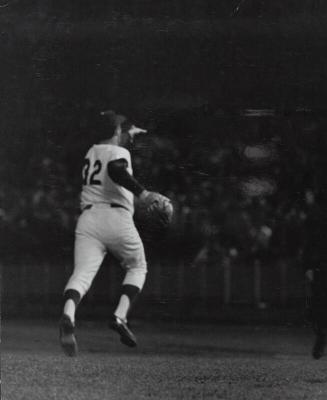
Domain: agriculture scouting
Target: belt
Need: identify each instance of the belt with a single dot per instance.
(113, 205)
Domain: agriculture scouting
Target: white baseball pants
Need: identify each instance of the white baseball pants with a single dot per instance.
(101, 229)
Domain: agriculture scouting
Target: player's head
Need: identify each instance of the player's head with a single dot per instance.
(119, 127)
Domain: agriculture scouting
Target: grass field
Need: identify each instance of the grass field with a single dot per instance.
(172, 361)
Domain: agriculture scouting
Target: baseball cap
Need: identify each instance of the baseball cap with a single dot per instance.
(123, 121)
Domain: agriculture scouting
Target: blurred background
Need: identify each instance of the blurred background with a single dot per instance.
(234, 96)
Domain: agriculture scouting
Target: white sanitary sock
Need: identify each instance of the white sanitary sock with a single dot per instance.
(69, 309)
(123, 307)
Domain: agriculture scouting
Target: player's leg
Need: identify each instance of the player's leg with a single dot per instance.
(132, 285)
(131, 254)
(88, 256)
(118, 321)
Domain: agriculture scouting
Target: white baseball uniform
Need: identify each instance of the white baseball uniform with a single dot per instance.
(106, 222)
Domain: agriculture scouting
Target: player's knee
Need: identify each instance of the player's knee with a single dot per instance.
(79, 283)
(136, 276)
(138, 264)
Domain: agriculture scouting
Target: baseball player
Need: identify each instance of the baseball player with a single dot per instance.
(106, 225)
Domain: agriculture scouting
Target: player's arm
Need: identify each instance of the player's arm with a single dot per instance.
(118, 172)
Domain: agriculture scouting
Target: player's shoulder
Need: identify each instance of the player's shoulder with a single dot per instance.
(120, 151)
(111, 150)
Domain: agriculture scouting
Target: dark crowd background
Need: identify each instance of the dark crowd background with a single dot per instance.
(233, 98)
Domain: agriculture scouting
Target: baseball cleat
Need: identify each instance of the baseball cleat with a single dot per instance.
(127, 337)
(319, 346)
(67, 337)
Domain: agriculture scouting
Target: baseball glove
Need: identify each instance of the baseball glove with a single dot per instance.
(154, 213)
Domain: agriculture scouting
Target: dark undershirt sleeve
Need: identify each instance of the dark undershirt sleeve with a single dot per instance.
(117, 171)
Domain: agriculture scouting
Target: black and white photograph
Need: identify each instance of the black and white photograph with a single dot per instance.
(163, 200)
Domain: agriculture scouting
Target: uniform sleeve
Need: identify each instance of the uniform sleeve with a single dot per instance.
(117, 171)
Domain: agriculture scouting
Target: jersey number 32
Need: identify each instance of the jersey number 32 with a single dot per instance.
(91, 172)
